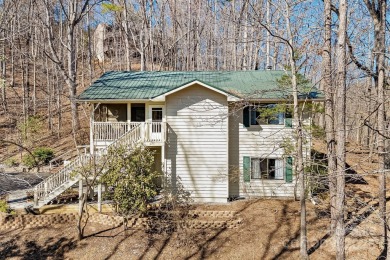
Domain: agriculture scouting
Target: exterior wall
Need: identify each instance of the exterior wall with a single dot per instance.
(262, 141)
(206, 143)
(197, 142)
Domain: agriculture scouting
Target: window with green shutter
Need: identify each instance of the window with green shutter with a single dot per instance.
(256, 168)
(245, 116)
(288, 122)
(247, 168)
(266, 114)
(289, 171)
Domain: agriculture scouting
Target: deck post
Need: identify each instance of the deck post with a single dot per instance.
(99, 197)
(91, 131)
(36, 196)
(45, 188)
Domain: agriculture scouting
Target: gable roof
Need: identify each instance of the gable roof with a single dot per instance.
(124, 85)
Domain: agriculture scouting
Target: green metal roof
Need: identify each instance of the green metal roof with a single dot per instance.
(150, 84)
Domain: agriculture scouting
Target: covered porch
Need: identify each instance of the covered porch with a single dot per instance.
(110, 121)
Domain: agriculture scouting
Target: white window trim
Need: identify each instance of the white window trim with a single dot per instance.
(283, 179)
(150, 107)
(263, 124)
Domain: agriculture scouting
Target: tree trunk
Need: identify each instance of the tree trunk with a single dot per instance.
(125, 25)
(71, 80)
(298, 165)
(329, 110)
(3, 70)
(80, 228)
(380, 33)
(340, 121)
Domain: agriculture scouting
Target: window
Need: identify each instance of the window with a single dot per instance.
(267, 168)
(138, 112)
(111, 113)
(157, 114)
(254, 115)
(265, 114)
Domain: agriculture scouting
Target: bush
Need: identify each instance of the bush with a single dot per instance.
(41, 155)
(11, 162)
(44, 154)
(4, 207)
(31, 128)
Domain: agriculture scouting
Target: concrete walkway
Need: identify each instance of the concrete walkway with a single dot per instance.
(18, 199)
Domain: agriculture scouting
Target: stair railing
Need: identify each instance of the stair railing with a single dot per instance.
(54, 181)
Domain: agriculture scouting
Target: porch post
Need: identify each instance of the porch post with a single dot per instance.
(128, 117)
(36, 196)
(99, 197)
(163, 157)
(163, 166)
(128, 112)
(91, 130)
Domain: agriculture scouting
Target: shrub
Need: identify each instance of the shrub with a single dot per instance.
(132, 178)
(41, 155)
(44, 154)
(31, 128)
(4, 207)
(11, 162)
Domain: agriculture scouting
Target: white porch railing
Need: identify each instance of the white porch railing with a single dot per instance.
(57, 183)
(110, 131)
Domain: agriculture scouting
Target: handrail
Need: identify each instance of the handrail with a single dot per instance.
(56, 180)
(85, 147)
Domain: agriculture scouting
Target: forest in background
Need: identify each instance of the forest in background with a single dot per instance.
(51, 50)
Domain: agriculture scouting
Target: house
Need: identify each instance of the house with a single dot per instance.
(206, 128)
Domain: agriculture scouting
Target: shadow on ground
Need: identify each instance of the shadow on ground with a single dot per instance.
(53, 248)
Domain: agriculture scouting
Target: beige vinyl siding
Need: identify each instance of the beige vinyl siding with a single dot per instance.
(255, 141)
(197, 144)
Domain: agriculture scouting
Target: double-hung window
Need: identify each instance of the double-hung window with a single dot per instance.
(267, 168)
(257, 168)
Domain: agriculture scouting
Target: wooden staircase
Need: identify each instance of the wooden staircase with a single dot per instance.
(59, 182)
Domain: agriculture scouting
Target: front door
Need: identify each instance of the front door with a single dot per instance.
(155, 127)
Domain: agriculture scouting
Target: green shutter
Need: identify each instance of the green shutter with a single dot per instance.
(245, 116)
(247, 168)
(289, 171)
(288, 122)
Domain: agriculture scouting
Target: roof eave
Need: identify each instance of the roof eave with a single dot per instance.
(124, 100)
(283, 99)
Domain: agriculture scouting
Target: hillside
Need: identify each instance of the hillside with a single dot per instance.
(269, 229)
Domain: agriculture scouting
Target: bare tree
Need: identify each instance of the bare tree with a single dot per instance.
(340, 103)
(73, 12)
(328, 88)
(377, 11)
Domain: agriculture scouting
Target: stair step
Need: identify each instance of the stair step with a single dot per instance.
(128, 139)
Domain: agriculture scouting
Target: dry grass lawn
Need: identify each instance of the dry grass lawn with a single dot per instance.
(269, 230)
